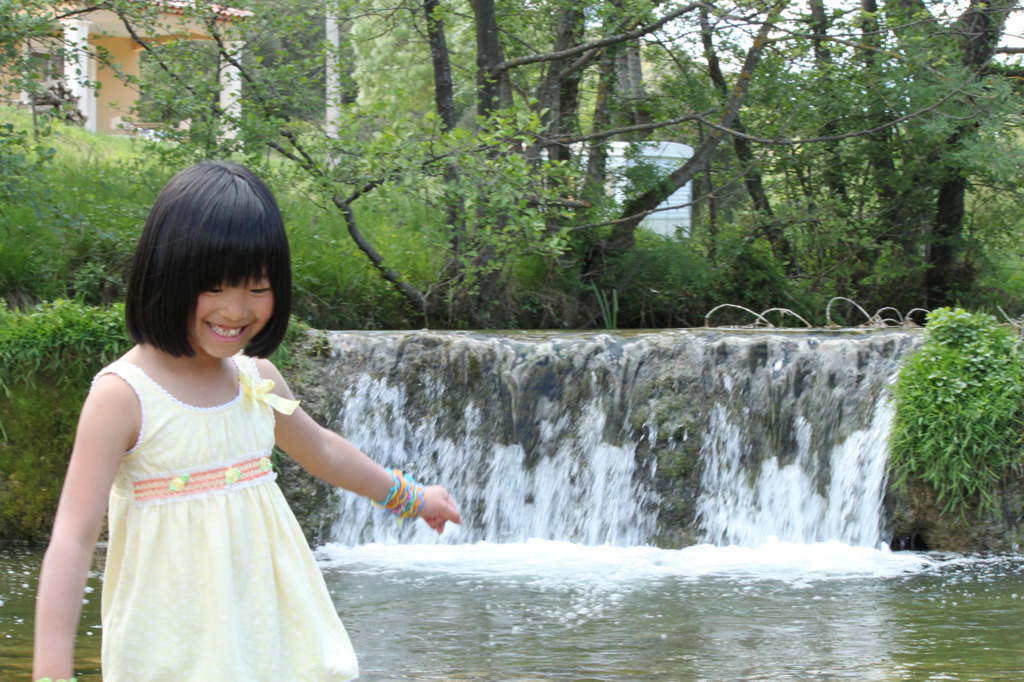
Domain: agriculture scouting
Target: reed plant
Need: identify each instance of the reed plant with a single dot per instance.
(960, 410)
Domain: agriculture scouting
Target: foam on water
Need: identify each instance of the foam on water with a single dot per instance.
(742, 504)
(567, 563)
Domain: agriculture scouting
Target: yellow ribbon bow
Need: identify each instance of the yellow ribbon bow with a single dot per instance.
(261, 392)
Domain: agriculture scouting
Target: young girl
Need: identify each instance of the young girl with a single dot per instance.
(208, 576)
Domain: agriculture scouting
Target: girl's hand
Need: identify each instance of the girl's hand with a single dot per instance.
(438, 508)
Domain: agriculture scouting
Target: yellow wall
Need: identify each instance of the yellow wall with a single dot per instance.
(115, 97)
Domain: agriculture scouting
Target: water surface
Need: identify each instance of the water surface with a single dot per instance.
(543, 610)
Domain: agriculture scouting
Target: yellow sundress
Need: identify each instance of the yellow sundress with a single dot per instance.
(208, 576)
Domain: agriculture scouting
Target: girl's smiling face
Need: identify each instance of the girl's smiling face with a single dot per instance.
(228, 317)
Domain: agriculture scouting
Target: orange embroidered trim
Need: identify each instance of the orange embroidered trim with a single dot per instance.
(209, 480)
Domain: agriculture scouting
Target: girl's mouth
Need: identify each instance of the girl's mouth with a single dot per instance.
(226, 332)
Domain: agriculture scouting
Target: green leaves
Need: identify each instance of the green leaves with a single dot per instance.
(960, 409)
(62, 341)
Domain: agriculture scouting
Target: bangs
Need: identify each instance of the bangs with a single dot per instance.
(247, 246)
(233, 234)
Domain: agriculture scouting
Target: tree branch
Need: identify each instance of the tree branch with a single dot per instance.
(596, 44)
(145, 46)
(650, 199)
(75, 12)
(410, 292)
(639, 128)
(834, 138)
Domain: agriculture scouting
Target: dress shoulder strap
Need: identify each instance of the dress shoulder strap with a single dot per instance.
(135, 378)
(129, 373)
(247, 366)
(258, 389)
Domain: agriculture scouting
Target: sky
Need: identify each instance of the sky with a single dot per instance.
(1014, 34)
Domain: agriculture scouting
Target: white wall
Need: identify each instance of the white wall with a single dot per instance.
(667, 156)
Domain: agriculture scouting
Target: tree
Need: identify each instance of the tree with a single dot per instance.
(857, 136)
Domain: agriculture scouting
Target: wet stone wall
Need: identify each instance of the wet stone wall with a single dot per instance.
(664, 437)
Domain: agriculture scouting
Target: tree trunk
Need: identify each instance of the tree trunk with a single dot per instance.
(752, 180)
(557, 99)
(444, 90)
(558, 93)
(708, 184)
(493, 88)
(631, 95)
(823, 60)
(980, 28)
(597, 152)
(482, 306)
(444, 101)
(944, 280)
(879, 152)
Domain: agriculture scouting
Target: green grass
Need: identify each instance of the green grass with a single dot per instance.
(72, 232)
(336, 287)
(48, 355)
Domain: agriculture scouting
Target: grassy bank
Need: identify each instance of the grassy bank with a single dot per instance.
(960, 411)
(48, 356)
(72, 216)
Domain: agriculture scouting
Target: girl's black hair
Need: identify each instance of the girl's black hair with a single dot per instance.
(214, 224)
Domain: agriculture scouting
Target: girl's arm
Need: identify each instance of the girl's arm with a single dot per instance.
(333, 459)
(108, 426)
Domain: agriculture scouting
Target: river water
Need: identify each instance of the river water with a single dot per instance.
(547, 610)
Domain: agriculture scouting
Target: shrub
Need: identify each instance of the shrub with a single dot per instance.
(660, 282)
(959, 409)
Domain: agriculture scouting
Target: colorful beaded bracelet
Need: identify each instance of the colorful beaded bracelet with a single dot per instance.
(405, 498)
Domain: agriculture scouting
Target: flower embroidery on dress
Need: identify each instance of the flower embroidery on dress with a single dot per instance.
(260, 391)
(217, 478)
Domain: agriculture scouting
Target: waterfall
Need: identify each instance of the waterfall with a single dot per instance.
(748, 506)
(627, 438)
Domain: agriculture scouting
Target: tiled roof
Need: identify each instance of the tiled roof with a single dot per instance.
(180, 6)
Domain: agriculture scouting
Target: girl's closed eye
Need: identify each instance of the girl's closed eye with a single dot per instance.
(261, 287)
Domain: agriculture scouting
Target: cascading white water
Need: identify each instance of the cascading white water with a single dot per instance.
(598, 439)
(582, 491)
(801, 456)
(740, 505)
